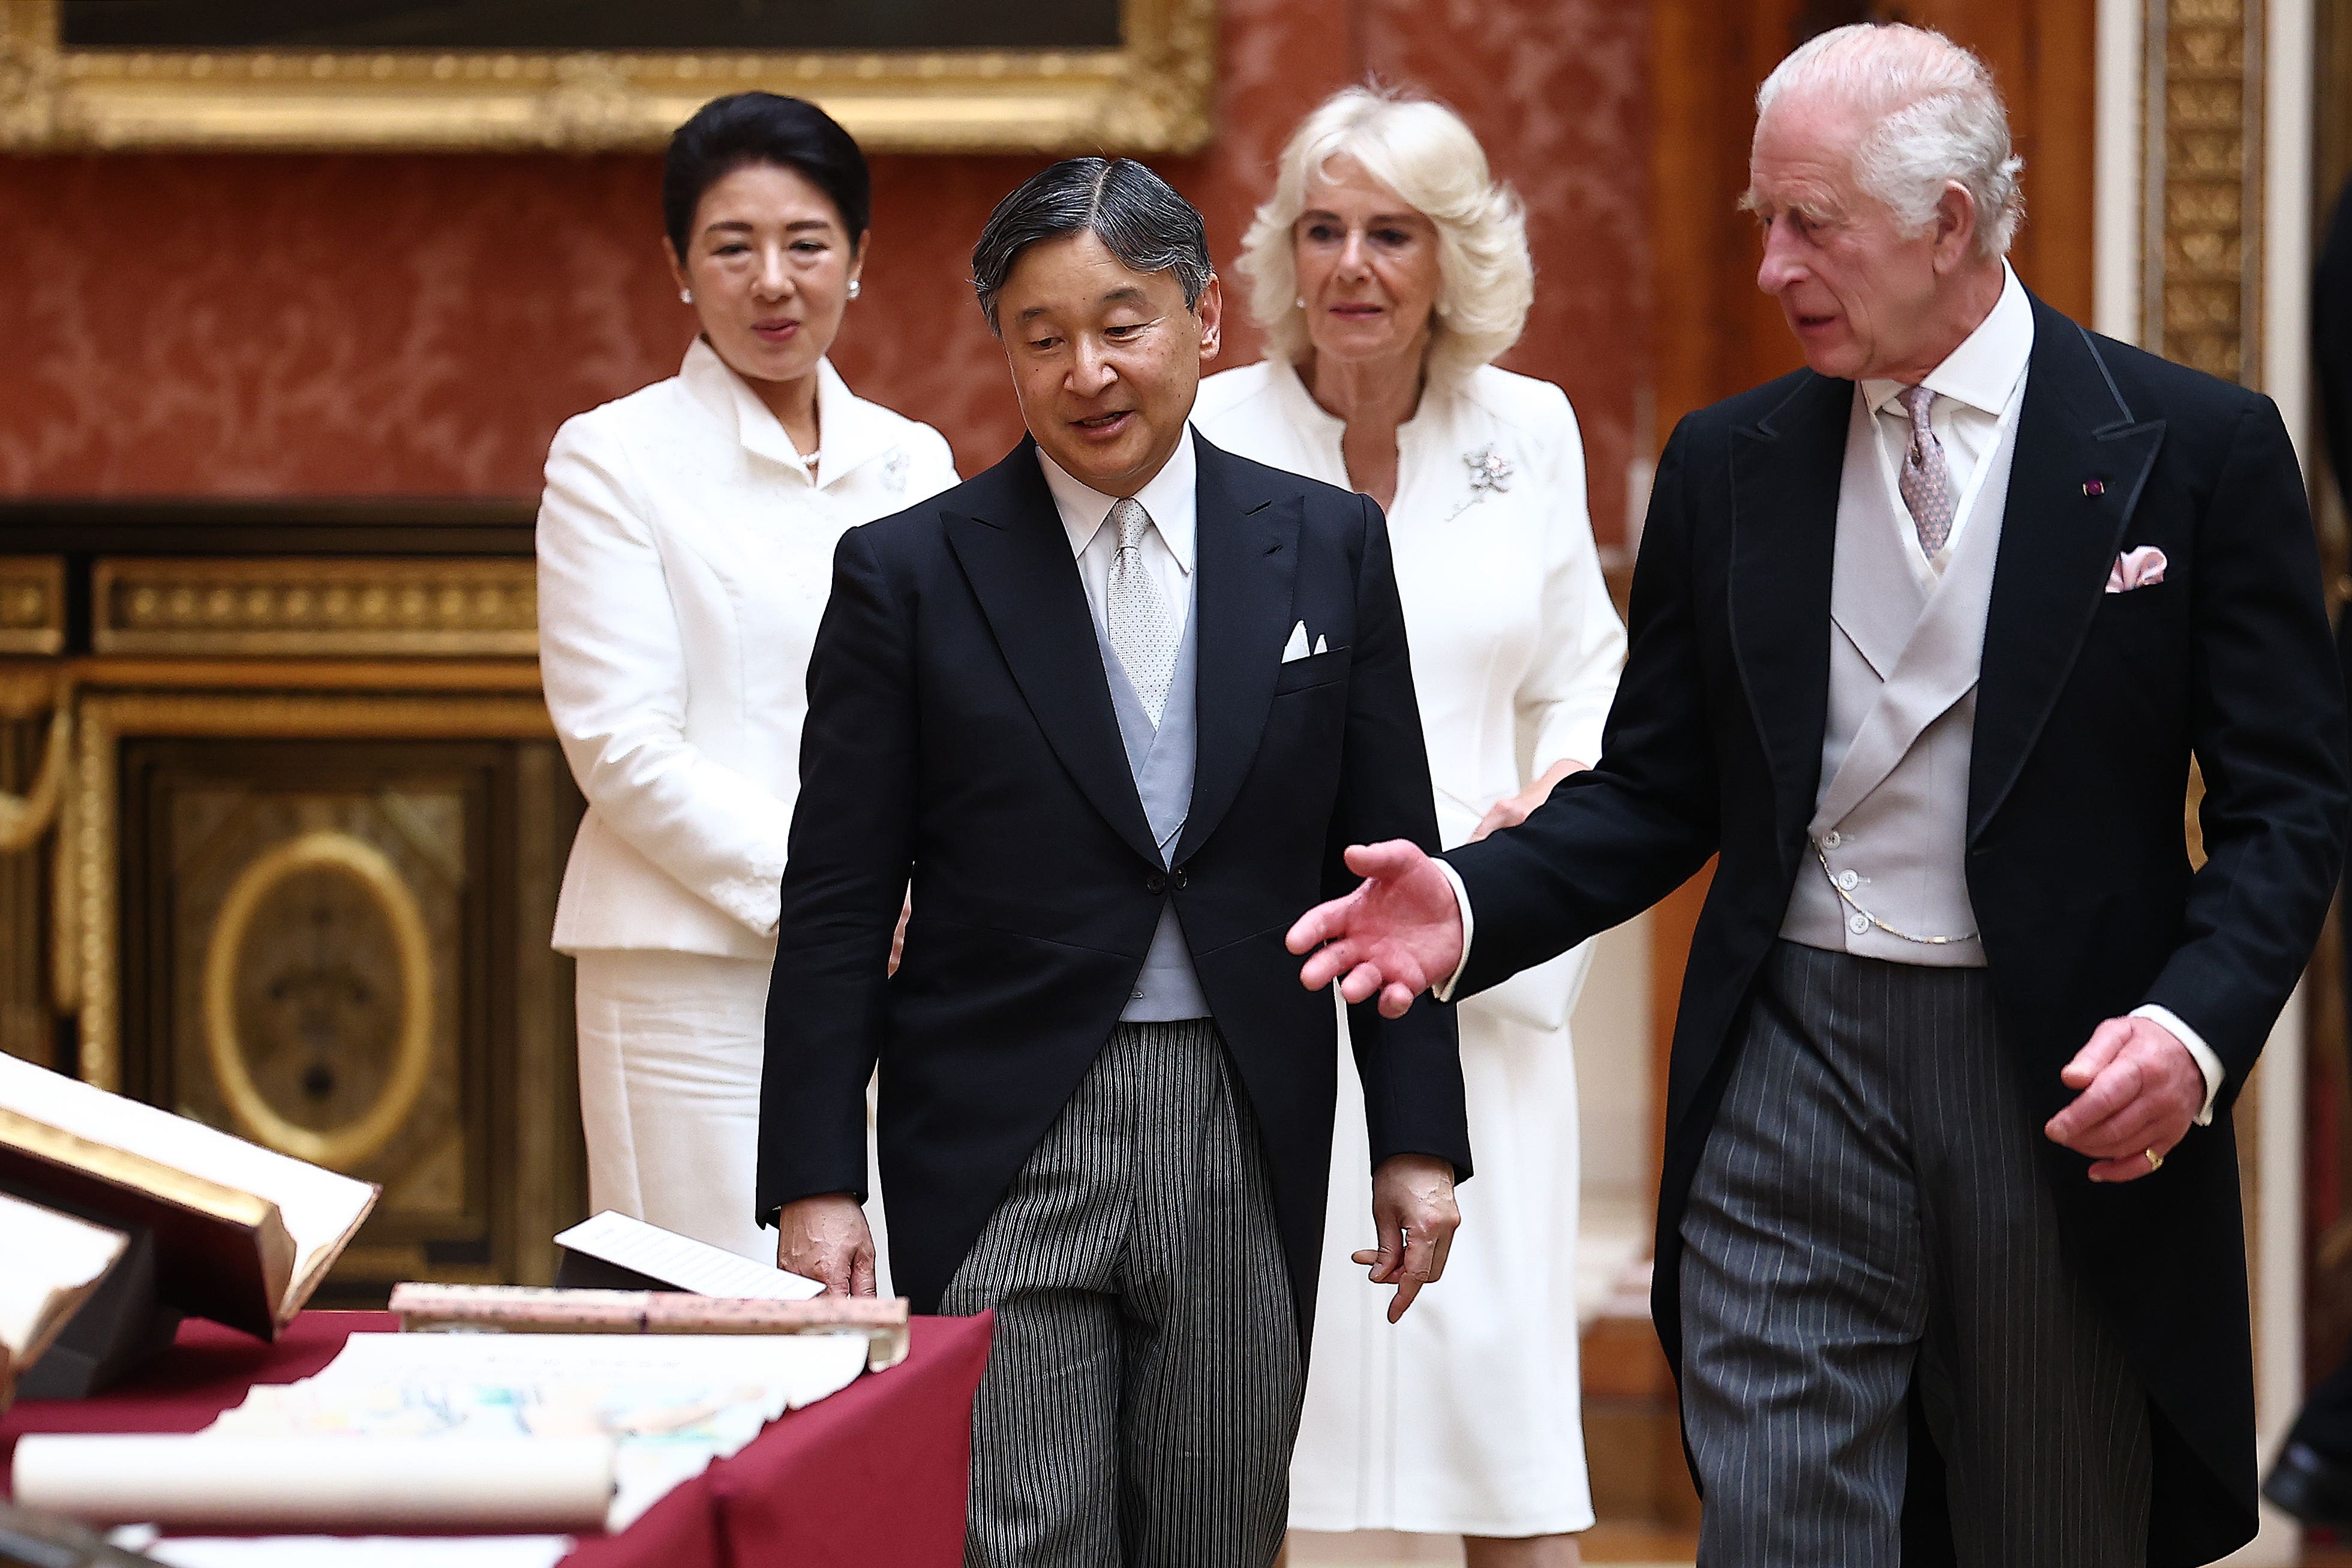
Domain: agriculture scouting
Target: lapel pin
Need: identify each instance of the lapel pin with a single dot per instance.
(2095, 487)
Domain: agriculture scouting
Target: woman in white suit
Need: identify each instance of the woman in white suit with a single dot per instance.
(1389, 268)
(686, 546)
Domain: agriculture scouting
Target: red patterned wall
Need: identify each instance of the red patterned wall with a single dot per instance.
(214, 326)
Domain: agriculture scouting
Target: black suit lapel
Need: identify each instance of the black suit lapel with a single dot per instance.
(1017, 559)
(1245, 549)
(1785, 470)
(2075, 436)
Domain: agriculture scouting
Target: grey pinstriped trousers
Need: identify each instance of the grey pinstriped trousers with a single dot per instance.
(1871, 1200)
(1143, 1390)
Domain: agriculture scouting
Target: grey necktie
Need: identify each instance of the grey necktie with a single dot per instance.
(1143, 632)
(1926, 480)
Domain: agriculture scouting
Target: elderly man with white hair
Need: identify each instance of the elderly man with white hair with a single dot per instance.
(1925, 638)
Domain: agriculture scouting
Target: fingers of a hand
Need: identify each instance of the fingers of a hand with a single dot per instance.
(1362, 982)
(1396, 999)
(861, 1273)
(2130, 1167)
(1328, 962)
(1387, 860)
(1317, 925)
(1405, 1292)
(2137, 1128)
(2118, 1085)
(2106, 1042)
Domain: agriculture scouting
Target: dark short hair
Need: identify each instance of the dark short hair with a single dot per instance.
(744, 127)
(1137, 214)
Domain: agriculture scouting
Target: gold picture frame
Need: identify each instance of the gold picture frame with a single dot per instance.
(1150, 95)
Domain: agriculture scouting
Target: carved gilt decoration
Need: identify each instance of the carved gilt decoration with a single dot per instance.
(2201, 292)
(262, 606)
(1152, 94)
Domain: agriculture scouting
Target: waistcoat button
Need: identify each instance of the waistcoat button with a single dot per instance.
(1155, 883)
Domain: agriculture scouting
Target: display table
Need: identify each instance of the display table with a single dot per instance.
(877, 1474)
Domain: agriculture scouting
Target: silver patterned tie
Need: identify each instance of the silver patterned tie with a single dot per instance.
(1143, 632)
(1927, 478)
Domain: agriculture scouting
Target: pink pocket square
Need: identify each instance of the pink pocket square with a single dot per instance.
(2140, 568)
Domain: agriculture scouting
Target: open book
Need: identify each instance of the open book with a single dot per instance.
(55, 1262)
(243, 1233)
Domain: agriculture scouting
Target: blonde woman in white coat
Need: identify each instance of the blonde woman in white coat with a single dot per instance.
(1389, 268)
(686, 545)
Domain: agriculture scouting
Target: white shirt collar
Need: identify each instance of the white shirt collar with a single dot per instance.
(848, 434)
(1984, 370)
(1170, 497)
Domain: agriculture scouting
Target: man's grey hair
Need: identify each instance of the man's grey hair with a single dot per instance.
(1938, 119)
(1137, 214)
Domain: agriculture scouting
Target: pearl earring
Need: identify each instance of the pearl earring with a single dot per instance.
(856, 288)
(685, 296)
(1300, 301)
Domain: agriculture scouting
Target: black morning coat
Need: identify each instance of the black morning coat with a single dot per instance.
(2089, 709)
(961, 733)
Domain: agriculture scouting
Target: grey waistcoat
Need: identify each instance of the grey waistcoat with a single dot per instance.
(1892, 814)
(1162, 761)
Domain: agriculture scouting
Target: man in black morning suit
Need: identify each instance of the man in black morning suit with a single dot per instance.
(1950, 1256)
(1113, 708)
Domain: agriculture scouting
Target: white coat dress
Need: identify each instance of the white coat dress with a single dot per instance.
(1466, 1417)
(685, 557)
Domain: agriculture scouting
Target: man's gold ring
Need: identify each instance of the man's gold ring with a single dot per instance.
(2154, 1160)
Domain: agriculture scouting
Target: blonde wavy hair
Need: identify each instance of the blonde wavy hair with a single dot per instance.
(1422, 151)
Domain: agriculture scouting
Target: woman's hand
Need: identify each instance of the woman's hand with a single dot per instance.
(898, 937)
(1513, 810)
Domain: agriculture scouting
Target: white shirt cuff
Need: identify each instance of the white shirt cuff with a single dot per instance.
(2206, 1062)
(1462, 902)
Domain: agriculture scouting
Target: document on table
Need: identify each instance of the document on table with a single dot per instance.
(346, 1551)
(682, 1262)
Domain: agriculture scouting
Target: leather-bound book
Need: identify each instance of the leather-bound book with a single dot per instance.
(243, 1234)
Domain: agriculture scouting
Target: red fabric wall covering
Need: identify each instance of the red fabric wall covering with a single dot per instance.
(415, 325)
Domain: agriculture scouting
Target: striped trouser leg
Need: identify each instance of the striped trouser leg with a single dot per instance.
(1871, 1204)
(1214, 1377)
(1143, 1389)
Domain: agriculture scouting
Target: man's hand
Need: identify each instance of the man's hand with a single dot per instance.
(1415, 1216)
(825, 1239)
(1397, 934)
(2140, 1091)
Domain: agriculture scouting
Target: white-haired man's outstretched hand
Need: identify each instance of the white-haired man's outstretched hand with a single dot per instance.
(1398, 934)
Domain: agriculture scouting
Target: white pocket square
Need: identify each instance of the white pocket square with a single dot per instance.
(1295, 648)
(2140, 568)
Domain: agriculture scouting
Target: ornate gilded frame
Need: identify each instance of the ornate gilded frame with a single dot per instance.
(1152, 94)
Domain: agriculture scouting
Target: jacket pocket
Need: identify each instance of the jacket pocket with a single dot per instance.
(1314, 670)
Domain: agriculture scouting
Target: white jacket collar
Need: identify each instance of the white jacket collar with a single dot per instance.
(851, 431)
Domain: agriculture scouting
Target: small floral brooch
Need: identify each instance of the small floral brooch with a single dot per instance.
(1490, 473)
(894, 471)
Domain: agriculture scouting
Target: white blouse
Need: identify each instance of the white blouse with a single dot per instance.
(685, 557)
(1516, 646)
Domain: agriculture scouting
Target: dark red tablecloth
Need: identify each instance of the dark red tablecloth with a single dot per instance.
(877, 1475)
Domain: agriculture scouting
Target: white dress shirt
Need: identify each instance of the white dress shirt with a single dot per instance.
(1171, 500)
(1974, 388)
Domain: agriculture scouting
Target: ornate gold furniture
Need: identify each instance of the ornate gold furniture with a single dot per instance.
(282, 828)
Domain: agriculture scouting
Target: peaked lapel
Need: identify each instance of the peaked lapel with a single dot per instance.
(1245, 549)
(1784, 505)
(1016, 556)
(2057, 544)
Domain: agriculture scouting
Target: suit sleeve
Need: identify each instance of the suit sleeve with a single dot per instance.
(1615, 839)
(852, 846)
(613, 664)
(1410, 1067)
(2268, 726)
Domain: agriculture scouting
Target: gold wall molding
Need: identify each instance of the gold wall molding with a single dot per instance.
(1152, 94)
(308, 606)
(348, 1147)
(87, 955)
(32, 601)
(2200, 252)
